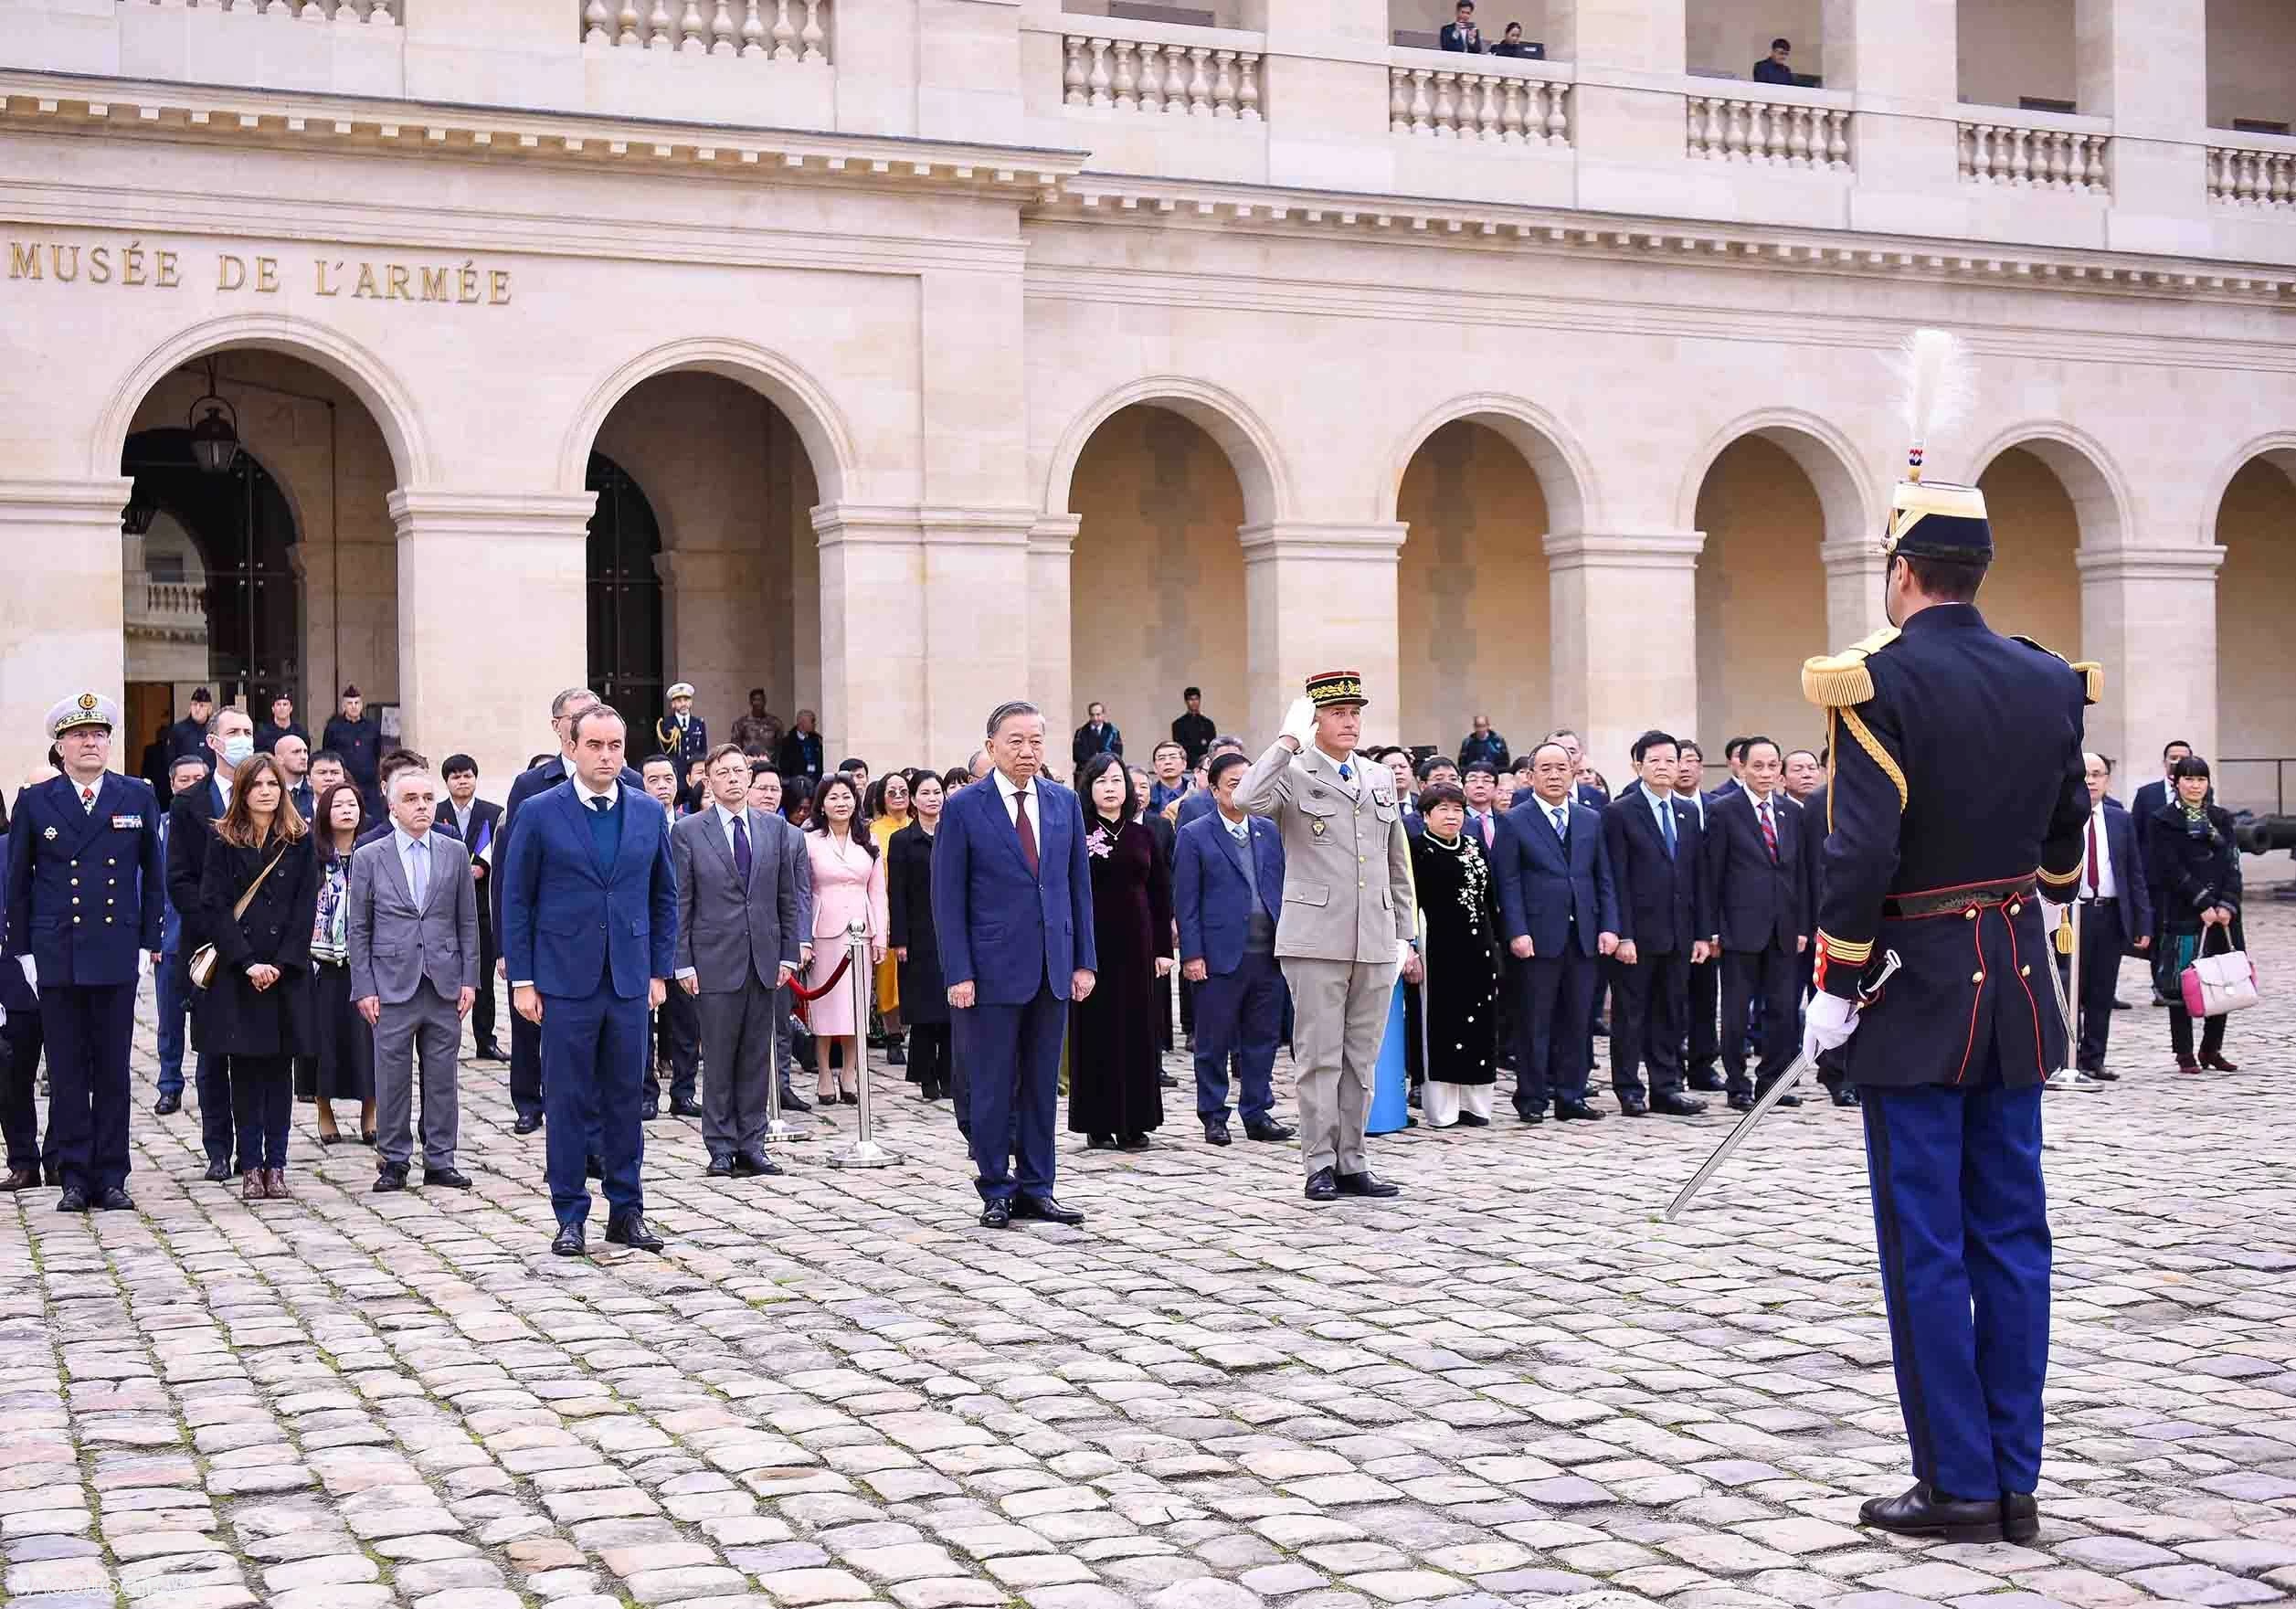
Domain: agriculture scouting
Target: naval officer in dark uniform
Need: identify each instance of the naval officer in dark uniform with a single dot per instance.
(85, 895)
(1940, 864)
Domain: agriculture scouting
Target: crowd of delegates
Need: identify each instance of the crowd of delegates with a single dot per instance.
(348, 919)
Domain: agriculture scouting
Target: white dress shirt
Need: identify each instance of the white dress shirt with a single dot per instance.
(409, 849)
(1015, 801)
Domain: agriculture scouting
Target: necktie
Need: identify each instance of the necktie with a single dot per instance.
(1028, 834)
(87, 800)
(741, 849)
(1666, 826)
(1769, 831)
(2092, 855)
(602, 806)
(1488, 833)
(418, 869)
(1562, 823)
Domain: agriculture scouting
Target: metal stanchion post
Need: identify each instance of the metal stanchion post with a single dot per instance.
(865, 1151)
(779, 1130)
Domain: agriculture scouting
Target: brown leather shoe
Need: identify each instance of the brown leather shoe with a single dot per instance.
(275, 1184)
(252, 1185)
(19, 1179)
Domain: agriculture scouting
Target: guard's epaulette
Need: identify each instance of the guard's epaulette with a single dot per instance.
(1837, 680)
(2092, 674)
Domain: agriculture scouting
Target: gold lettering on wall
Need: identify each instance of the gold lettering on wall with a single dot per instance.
(131, 265)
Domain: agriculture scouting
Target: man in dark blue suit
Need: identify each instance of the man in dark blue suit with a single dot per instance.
(590, 909)
(1560, 911)
(1652, 846)
(192, 816)
(1227, 892)
(1759, 900)
(1703, 1043)
(1012, 910)
(2115, 910)
(525, 1038)
(85, 901)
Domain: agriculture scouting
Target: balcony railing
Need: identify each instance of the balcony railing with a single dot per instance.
(1497, 102)
(1164, 70)
(759, 30)
(2253, 177)
(2038, 150)
(1768, 133)
(370, 13)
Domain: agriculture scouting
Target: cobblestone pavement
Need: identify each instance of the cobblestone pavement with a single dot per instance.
(1514, 1385)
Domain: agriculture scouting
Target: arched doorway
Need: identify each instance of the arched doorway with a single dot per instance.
(1157, 578)
(1762, 593)
(2256, 654)
(624, 596)
(1472, 597)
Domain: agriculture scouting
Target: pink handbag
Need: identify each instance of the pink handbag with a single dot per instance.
(2215, 985)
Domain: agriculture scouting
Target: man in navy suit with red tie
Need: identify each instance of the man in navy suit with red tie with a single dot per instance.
(1758, 898)
(1012, 911)
(1653, 844)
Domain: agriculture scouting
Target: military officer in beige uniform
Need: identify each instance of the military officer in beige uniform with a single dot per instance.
(1346, 922)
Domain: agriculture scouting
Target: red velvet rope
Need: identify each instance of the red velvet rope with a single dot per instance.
(803, 994)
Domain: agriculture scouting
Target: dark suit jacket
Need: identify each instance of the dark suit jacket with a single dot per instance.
(1450, 38)
(1661, 897)
(1195, 807)
(478, 835)
(267, 735)
(191, 828)
(2131, 879)
(730, 930)
(570, 928)
(236, 1018)
(539, 779)
(1211, 888)
(1543, 886)
(1752, 900)
(1000, 927)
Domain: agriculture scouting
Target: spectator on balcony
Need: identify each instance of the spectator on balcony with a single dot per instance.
(1460, 33)
(1773, 68)
(1514, 44)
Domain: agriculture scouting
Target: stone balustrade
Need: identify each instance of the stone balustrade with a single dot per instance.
(2241, 176)
(1160, 76)
(1495, 108)
(2031, 156)
(1774, 133)
(385, 12)
(757, 30)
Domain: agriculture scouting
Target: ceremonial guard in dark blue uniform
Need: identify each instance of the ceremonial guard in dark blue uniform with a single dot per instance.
(85, 897)
(1940, 863)
(682, 734)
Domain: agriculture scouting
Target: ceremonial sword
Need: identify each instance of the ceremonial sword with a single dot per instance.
(1866, 994)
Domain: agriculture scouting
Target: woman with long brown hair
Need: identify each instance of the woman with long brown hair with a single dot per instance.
(260, 885)
(848, 885)
(347, 1044)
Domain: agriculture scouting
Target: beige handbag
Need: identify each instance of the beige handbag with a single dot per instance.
(2215, 985)
(201, 968)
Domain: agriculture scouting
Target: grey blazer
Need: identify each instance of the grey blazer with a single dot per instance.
(1346, 862)
(727, 929)
(393, 945)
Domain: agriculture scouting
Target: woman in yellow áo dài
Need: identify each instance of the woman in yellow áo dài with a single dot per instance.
(888, 809)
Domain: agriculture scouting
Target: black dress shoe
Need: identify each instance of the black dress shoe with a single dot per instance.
(1788, 1100)
(996, 1214)
(388, 1181)
(895, 1055)
(2020, 1517)
(1844, 1095)
(1535, 1115)
(1166, 1081)
(1473, 1120)
(115, 1199)
(631, 1231)
(526, 1123)
(1675, 1103)
(754, 1165)
(685, 1108)
(1100, 1142)
(1323, 1185)
(1707, 1083)
(1742, 1103)
(791, 1101)
(568, 1242)
(2121, 1005)
(19, 1179)
(650, 1112)
(1366, 1183)
(446, 1177)
(1918, 1511)
(167, 1105)
(1133, 1142)
(592, 1168)
(73, 1200)
(1216, 1132)
(1632, 1105)
(1046, 1209)
(1576, 1112)
(218, 1173)
(2099, 1072)
(1269, 1132)
(489, 1052)
(719, 1168)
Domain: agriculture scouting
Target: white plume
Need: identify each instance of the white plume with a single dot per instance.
(1936, 382)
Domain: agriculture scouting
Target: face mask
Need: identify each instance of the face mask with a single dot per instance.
(237, 749)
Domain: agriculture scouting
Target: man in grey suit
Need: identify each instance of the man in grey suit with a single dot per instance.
(1348, 919)
(739, 937)
(412, 921)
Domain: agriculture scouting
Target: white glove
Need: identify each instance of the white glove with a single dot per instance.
(1299, 722)
(1828, 1022)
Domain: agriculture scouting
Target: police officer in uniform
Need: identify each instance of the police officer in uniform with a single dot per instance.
(1943, 866)
(84, 897)
(1347, 918)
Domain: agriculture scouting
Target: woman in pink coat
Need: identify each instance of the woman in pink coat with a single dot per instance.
(848, 885)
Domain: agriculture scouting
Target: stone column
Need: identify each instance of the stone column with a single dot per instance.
(1899, 57)
(1626, 109)
(2148, 615)
(1854, 569)
(873, 658)
(1616, 673)
(1051, 673)
(2142, 64)
(492, 621)
(1319, 598)
(62, 613)
(981, 631)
